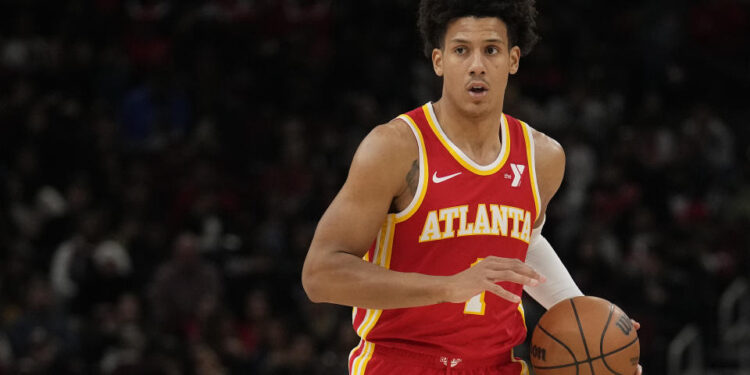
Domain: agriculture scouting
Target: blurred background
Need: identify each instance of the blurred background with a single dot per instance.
(163, 165)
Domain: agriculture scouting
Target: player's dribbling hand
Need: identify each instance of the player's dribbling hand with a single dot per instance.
(639, 370)
(484, 275)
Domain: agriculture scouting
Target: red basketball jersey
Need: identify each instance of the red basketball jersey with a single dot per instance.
(462, 212)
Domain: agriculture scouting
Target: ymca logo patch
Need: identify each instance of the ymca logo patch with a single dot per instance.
(517, 173)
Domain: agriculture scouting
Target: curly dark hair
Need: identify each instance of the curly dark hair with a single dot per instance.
(518, 15)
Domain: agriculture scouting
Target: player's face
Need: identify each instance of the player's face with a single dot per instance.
(475, 62)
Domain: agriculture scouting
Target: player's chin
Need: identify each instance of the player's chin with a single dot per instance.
(478, 107)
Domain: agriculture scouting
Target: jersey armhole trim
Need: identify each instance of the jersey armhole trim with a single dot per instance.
(416, 201)
(531, 156)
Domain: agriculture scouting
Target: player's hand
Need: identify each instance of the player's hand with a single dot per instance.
(639, 370)
(484, 275)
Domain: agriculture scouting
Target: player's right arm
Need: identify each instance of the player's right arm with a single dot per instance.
(334, 270)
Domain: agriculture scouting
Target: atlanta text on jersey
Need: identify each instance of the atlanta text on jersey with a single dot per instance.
(439, 224)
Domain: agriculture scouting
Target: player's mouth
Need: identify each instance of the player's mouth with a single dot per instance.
(478, 89)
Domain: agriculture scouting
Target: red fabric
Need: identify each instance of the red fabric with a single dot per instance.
(444, 329)
(388, 361)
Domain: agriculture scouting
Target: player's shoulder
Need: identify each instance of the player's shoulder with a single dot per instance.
(549, 160)
(390, 146)
(395, 130)
(546, 147)
(393, 139)
(384, 157)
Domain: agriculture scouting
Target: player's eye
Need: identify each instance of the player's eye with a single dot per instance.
(491, 50)
(460, 50)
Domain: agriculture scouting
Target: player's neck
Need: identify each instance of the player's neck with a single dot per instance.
(477, 135)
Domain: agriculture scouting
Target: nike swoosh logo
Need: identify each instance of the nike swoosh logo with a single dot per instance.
(438, 180)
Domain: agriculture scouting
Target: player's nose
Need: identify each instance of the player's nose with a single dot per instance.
(477, 64)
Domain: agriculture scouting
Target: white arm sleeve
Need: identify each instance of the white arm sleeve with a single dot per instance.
(542, 258)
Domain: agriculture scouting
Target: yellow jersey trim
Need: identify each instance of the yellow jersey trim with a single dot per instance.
(360, 363)
(524, 366)
(529, 138)
(351, 353)
(459, 155)
(381, 257)
(523, 313)
(423, 176)
(391, 220)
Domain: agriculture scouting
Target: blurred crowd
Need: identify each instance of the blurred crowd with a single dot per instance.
(164, 164)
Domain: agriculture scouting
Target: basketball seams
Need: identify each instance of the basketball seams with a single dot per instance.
(635, 340)
(601, 340)
(575, 360)
(583, 337)
(576, 363)
(559, 366)
(594, 311)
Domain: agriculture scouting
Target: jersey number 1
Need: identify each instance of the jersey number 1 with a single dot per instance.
(475, 305)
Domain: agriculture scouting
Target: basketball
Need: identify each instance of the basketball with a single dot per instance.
(584, 336)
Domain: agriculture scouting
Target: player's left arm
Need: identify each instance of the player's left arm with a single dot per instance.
(550, 169)
(549, 165)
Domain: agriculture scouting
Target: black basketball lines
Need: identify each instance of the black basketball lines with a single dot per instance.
(625, 327)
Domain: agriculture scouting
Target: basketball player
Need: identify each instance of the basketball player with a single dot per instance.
(454, 194)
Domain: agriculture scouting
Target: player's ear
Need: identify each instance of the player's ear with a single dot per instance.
(515, 59)
(437, 61)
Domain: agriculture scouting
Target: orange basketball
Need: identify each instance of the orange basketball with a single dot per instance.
(584, 336)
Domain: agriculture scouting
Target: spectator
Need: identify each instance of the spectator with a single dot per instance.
(127, 126)
(185, 291)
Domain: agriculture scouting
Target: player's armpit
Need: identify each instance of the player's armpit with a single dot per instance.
(333, 270)
(550, 169)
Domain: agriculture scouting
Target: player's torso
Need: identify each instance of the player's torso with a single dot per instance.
(462, 212)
